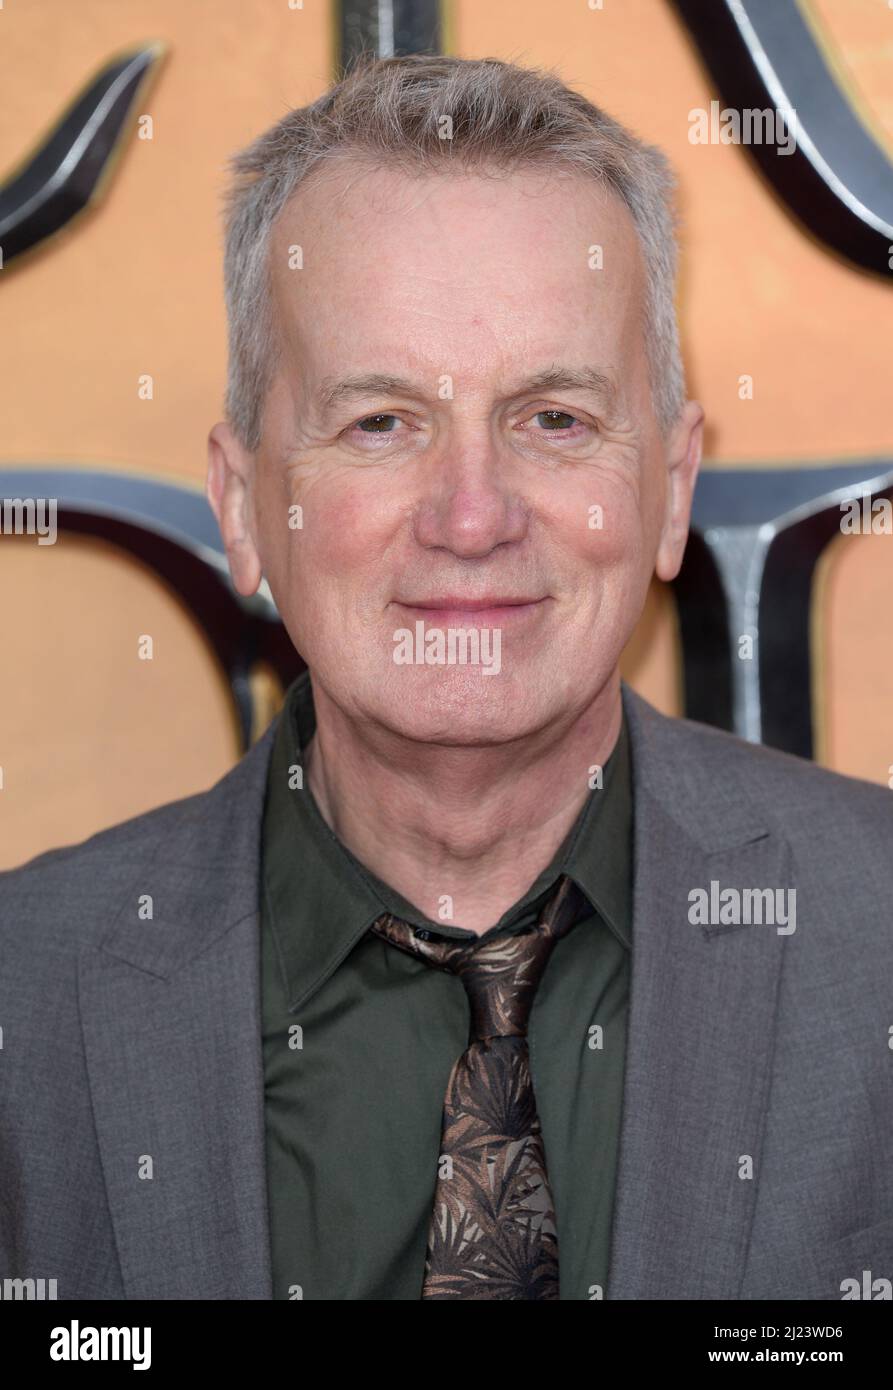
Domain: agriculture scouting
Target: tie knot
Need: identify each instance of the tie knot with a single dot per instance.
(500, 974)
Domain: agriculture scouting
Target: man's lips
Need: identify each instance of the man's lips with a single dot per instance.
(453, 609)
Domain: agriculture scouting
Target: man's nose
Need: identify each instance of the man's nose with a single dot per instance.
(470, 505)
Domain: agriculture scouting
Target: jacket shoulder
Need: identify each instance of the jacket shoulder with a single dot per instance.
(73, 888)
(794, 792)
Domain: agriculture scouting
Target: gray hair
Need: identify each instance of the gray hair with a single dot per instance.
(391, 112)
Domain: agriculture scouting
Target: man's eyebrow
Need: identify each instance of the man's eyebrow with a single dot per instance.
(334, 390)
(570, 379)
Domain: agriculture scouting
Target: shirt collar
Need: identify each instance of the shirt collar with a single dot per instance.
(320, 900)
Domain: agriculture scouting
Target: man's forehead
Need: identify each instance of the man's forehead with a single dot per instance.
(403, 293)
(353, 196)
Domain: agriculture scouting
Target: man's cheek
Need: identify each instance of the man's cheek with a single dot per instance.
(340, 531)
(330, 554)
(610, 533)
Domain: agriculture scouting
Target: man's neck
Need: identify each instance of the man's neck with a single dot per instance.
(469, 825)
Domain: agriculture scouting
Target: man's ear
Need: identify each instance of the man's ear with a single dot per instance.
(683, 455)
(228, 489)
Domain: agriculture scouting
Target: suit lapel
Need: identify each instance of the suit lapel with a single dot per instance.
(701, 1022)
(170, 1011)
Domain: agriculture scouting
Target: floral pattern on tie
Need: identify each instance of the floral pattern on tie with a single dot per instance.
(493, 1231)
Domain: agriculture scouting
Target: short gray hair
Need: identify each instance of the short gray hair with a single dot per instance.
(391, 112)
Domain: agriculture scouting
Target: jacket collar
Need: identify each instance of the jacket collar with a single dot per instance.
(216, 836)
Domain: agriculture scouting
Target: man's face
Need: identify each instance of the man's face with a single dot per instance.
(530, 516)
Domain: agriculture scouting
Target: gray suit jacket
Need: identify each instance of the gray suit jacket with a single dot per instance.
(756, 1155)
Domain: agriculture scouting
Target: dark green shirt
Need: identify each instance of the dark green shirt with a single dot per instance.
(359, 1039)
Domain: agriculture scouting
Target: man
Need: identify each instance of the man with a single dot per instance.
(476, 977)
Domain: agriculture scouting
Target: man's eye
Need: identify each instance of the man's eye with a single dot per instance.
(556, 420)
(374, 422)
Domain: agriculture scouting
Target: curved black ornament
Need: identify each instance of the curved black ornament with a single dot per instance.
(171, 529)
(765, 530)
(387, 28)
(67, 171)
(838, 181)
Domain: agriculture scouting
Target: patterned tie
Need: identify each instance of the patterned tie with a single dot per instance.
(493, 1231)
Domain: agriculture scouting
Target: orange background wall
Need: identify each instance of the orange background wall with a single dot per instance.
(88, 733)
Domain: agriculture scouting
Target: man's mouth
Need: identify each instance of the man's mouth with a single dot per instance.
(455, 610)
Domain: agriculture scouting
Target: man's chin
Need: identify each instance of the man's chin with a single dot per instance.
(460, 707)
